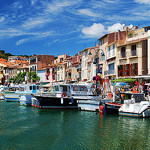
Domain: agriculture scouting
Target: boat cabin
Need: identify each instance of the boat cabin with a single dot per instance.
(82, 89)
(28, 88)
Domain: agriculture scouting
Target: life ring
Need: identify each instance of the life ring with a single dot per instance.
(64, 94)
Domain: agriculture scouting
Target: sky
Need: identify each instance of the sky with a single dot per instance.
(56, 27)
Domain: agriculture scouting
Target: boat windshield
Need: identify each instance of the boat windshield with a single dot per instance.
(65, 88)
(80, 88)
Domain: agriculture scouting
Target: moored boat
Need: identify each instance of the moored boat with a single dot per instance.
(26, 95)
(87, 97)
(59, 97)
(135, 109)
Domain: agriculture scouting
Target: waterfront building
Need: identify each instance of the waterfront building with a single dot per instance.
(23, 66)
(88, 65)
(76, 67)
(11, 58)
(41, 73)
(132, 53)
(37, 62)
(61, 67)
(50, 73)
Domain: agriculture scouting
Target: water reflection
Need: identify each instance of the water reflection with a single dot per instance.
(32, 128)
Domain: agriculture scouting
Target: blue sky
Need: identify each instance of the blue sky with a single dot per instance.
(58, 27)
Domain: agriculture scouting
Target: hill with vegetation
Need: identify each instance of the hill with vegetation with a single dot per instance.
(6, 55)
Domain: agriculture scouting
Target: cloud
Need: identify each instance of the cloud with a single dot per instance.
(17, 5)
(36, 22)
(36, 36)
(58, 5)
(87, 12)
(115, 27)
(2, 19)
(33, 2)
(96, 30)
(143, 1)
(22, 41)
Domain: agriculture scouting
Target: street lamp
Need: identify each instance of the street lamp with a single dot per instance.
(96, 60)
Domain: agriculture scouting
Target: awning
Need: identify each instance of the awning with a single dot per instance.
(44, 83)
(128, 80)
(143, 77)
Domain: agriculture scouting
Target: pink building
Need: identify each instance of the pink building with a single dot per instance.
(50, 74)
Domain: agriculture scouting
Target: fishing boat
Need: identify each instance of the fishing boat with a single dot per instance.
(112, 103)
(10, 93)
(135, 109)
(58, 97)
(86, 95)
(2, 93)
(26, 95)
(23, 94)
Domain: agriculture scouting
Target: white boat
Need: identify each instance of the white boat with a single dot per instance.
(10, 94)
(134, 109)
(27, 95)
(87, 98)
(2, 93)
(23, 95)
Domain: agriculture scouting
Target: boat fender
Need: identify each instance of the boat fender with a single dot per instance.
(72, 100)
(101, 109)
(62, 100)
(143, 114)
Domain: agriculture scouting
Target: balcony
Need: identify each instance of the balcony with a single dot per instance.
(111, 53)
(110, 72)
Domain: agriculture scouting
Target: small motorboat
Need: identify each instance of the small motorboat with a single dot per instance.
(141, 109)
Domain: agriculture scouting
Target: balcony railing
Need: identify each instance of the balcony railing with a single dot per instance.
(109, 72)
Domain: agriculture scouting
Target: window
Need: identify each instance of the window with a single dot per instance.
(34, 87)
(111, 66)
(113, 46)
(100, 59)
(133, 50)
(123, 52)
(56, 88)
(30, 87)
(61, 59)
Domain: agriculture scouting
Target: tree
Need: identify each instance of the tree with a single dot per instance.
(34, 77)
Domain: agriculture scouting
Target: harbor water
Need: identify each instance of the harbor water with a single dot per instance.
(28, 128)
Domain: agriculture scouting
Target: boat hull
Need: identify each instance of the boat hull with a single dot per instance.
(25, 100)
(145, 113)
(88, 105)
(112, 108)
(11, 97)
(49, 102)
